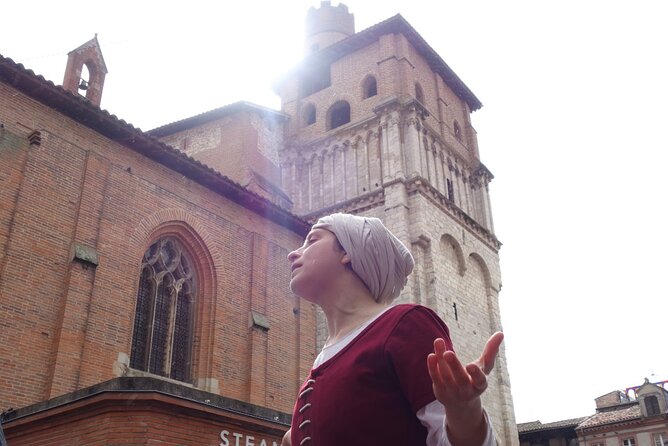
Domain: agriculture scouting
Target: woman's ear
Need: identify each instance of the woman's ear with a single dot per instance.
(345, 260)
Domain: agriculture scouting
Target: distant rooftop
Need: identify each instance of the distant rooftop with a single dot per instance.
(623, 413)
(535, 426)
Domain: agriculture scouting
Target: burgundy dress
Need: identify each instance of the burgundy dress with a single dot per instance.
(369, 392)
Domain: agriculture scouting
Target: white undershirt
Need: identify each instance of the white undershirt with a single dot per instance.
(432, 416)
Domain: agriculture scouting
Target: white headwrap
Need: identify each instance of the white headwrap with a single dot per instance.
(376, 255)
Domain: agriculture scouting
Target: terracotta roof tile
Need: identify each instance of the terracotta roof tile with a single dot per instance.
(625, 413)
(533, 426)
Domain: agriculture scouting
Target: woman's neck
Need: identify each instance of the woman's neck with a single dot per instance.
(349, 314)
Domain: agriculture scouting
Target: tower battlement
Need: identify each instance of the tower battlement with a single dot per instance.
(327, 25)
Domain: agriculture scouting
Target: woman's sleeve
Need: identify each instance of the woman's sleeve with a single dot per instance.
(407, 348)
(432, 416)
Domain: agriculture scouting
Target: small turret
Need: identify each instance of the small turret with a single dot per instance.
(85, 71)
(327, 25)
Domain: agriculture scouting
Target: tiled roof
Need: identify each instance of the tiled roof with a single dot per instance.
(533, 426)
(212, 115)
(626, 413)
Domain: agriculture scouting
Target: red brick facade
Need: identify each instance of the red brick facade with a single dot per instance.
(112, 414)
(83, 196)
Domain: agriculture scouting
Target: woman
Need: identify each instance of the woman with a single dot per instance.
(387, 375)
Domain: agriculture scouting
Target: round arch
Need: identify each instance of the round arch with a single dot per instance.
(461, 262)
(487, 276)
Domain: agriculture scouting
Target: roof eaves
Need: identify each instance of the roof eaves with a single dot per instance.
(212, 115)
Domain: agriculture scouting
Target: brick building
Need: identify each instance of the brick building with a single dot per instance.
(124, 258)
(637, 416)
(150, 267)
(557, 433)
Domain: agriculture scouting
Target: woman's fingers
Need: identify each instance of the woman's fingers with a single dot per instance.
(489, 353)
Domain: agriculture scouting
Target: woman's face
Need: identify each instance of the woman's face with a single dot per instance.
(316, 264)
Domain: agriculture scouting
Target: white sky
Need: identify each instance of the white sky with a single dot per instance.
(572, 126)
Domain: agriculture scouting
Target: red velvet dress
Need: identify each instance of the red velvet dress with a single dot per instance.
(369, 392)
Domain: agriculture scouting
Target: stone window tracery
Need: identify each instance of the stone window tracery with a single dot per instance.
(163, 326)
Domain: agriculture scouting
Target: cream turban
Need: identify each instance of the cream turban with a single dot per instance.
(377, 256)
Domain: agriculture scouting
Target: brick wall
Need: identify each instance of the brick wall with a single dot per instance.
(68, 324)
(129, 418)
(239, 145)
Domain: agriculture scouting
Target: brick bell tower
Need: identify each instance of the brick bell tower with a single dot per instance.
(85, 71)
(379, 125)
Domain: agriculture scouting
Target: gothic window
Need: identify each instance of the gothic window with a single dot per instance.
(652, 406)
(458, 131)
(309, 114)
(419, 94)
(369, 87)
(338, 115)
(162, 337)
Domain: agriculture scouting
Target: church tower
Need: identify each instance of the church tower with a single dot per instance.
(379, 125)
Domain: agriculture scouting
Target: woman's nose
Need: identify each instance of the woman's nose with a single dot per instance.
(293, 255)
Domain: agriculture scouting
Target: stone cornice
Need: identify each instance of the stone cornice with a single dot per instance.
(176, 394)
(355, 205)
(419, 185)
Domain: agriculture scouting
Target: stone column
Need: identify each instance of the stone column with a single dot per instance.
(391, 150)
(327, 179)
(412, 146)
(362, 166)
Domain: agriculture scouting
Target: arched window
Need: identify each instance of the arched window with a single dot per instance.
(84, 80)
(338, 114)
(309, 114)
(652, 406)
(162, 337)
(369, 87)
(419, 94)
(458, 131)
